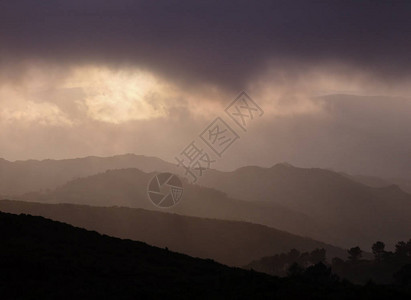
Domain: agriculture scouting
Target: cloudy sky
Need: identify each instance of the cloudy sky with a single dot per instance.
(81, 78)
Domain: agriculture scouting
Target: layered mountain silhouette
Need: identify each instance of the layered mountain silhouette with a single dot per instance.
(318, 203)
(128, 187)
(321, 204)
(228, 242)
(21, 177)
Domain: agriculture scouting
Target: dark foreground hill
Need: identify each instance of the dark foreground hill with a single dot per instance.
(44, 259)
(40, 258)
(228, 242)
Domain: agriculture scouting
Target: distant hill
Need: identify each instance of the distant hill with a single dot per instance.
(373, 181)
(228, 242)
(21, 177)
(357, 213)
(44, 259)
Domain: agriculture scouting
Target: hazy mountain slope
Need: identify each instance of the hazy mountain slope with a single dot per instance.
(33, 175)
(128, 188)
(232, 243)
(369, 180)
(404, 184)
(366, 213)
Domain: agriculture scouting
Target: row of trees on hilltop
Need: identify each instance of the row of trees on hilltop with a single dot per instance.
(402, 252)
(386, 266)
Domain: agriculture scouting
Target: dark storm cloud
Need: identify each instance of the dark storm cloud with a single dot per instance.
(226, 43)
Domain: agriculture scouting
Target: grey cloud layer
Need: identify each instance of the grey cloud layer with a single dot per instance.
(225, 43)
